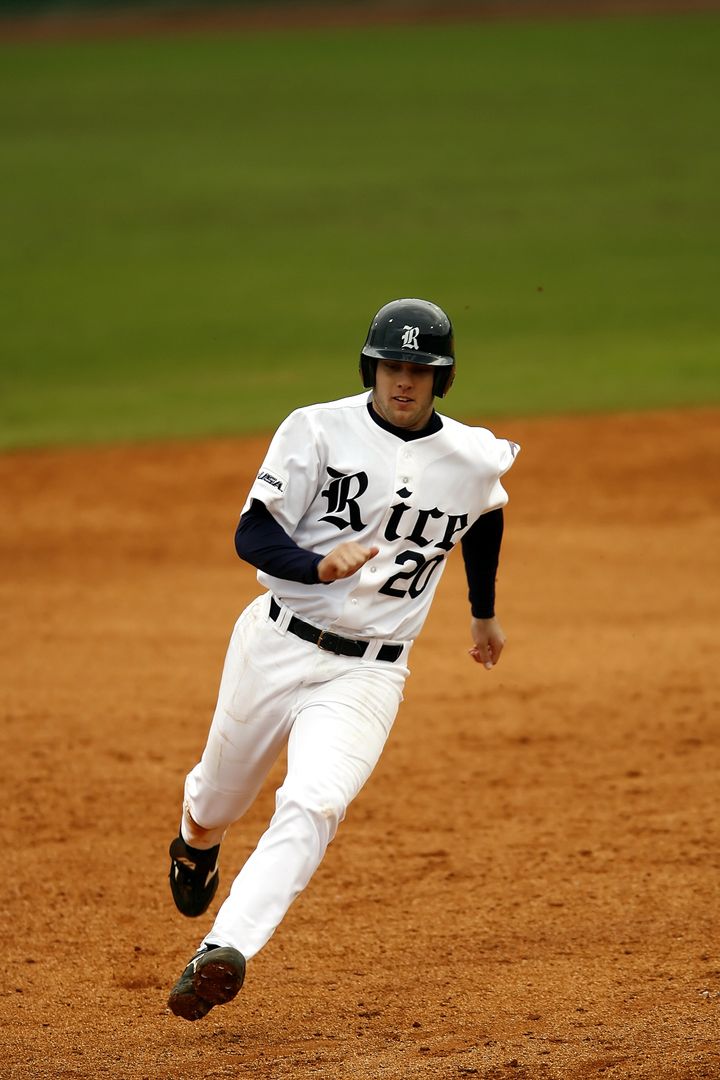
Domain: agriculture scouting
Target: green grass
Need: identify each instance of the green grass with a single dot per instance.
(195, 232)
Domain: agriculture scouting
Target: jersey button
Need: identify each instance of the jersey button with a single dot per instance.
(353, 601)
(373, 569)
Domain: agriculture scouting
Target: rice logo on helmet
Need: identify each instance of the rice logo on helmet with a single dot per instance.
(410, 336)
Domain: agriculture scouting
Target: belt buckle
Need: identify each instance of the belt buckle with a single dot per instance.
(329, 642)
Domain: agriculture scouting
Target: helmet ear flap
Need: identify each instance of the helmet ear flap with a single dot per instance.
(444, 378)
(368, 367)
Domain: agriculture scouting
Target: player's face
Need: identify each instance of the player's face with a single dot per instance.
(403, 393)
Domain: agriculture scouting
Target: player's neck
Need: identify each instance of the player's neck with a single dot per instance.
(434, 424)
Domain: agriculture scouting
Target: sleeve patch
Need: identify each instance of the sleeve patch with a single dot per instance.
(272, 479)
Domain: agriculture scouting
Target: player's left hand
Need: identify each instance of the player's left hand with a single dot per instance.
(489, 640)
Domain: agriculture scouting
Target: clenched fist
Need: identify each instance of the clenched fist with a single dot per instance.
(344, 560)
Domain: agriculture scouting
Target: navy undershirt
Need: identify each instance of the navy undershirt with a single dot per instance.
(261, 541)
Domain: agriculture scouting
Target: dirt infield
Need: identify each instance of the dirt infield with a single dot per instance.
(527, 887)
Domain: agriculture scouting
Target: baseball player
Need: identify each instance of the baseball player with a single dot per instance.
(349, 523)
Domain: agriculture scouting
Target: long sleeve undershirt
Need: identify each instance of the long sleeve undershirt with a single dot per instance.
(481, 553)
(261, 541)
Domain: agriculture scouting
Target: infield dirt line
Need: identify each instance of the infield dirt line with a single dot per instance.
(189, 20)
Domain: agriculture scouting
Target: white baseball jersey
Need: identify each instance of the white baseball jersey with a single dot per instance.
(331, 474)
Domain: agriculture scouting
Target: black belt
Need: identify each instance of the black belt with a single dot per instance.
(324, 639)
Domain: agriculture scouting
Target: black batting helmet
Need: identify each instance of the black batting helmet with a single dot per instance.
(415, 331)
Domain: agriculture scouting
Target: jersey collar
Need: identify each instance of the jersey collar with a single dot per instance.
(434, 424)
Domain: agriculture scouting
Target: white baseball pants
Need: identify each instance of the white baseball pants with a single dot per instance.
(335, 714)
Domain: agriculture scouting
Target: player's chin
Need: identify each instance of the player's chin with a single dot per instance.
(404, 418)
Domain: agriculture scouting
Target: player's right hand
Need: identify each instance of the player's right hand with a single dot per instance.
(344, 560)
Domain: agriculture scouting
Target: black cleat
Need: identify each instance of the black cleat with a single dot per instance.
(213, 977)
(194, 877)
